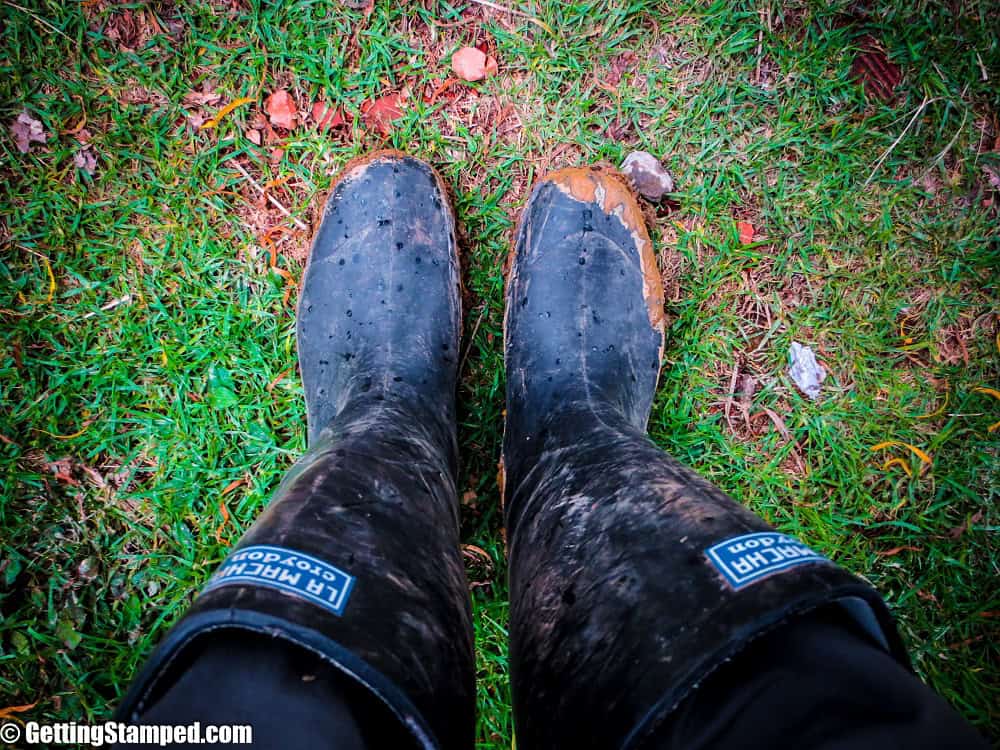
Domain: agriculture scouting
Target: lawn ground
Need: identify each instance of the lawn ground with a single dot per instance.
(150, 401)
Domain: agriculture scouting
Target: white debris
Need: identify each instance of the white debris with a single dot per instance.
(805, 371)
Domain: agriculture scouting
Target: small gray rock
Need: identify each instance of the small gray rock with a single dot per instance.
(649, 177)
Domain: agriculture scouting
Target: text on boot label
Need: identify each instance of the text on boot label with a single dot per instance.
(745, 559)
(286, 570)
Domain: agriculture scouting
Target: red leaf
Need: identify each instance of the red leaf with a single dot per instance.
(471, 64)
(280, 107)
(380, 113)
(873, 70)
(745, 228)
(327, 117)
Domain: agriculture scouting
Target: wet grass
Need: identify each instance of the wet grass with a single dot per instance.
(149, 398)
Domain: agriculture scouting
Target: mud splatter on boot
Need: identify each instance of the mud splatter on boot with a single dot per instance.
(631, 577)
(356, 557)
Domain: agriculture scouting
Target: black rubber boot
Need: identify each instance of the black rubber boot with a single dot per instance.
(356, 557)
(632, 579)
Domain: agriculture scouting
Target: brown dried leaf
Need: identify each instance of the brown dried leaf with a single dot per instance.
(62, 469)
(380, 113)
(85, 160)
(958, 531)
(471, 64)
(206, 96)
(621, 65)
(281, 109)
(27, 130)
(992, 175)
(130, 29)
(326, 116)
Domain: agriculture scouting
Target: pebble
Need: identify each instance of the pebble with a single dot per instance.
(649, 177)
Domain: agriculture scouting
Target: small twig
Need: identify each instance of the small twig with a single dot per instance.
(732, 392)
(946, 149)
(515, 12)
(40, 20)
(779, 423)
(923, 105)
(110, 305)
(274, 201)
(472, 338)
(982, 68)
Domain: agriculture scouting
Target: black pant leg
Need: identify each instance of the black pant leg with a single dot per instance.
(815, 683)
(292, 699)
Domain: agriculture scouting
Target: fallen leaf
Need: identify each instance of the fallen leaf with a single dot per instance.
(131, 29)
(327, 117)
(207, 95)
(471, 64)
(380, 113)
(620, 65)
(992, 175)
(281, 109)
(27, 130)
(85, 160)
(67, 632)
(871, 68)
(253, 136)
(957, 531)
(63, 471)
(746, 231)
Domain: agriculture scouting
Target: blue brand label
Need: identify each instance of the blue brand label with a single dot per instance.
(286, 570)
(748, 558)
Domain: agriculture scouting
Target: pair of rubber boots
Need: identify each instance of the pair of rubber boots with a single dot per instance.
(631, 578)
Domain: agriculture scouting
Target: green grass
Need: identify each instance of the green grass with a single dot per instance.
(160, 402)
